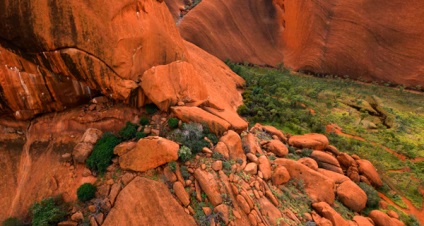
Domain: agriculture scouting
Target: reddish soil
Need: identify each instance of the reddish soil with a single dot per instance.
(419, 213)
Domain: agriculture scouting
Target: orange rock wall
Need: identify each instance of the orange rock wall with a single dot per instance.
(367, 40)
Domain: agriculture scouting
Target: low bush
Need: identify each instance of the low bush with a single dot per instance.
(144, 121)
(86, 192)
(140, 135)
(184, 153)
(372, 195)
(49, 211)
(102, 153)
(173, 166)
(173, 123)
(129, 131)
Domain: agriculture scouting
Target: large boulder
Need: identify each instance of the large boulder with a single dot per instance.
(149, 153)
(370, 172)
(352, 196)
(317, 186)
(277, 147)
(208, 183)
(326, 161)
(153, 205)
(195, 114)
(381, 219)
(233, 143)
(177, 81)
(313, 141)
(329, 213)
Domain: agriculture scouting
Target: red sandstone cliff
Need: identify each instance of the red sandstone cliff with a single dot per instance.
(372, 40)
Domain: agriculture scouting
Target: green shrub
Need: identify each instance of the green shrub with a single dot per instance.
(173, 166)
(151, 109)
(184, 153)
(140, 135)
(173, 123)
(48, 212)
(102, 153)
(184, 172)
(192, 136)
(86, 192)
(12, 221)
(129, 131)
(372, 195)
(144, 121)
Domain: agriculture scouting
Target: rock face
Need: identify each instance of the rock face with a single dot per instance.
(149, 153)
(235, 35)
(352, 196)
(33, 161)
(153, 205)
(57, 55)
(343, 38)
(368, 169)
(329, 213)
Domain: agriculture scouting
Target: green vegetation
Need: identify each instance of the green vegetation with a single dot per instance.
(173, 123)
(129, 131)
(294, 197)
(151, 109)
(192, 136)
(86, 192)
(49, 211)
(372, 195)
(140, 135)
(345, 212)
(172, 166)
(184, 153)
(102, 154)
(12, 221)
(384, 118)
(144, 121)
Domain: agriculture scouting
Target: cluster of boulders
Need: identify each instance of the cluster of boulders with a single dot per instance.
(236, 182)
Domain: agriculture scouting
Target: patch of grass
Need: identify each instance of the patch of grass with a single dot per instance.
(294, 197)
(299, 104)
(345, 212)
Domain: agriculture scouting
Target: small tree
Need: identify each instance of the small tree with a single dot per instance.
(47, 212)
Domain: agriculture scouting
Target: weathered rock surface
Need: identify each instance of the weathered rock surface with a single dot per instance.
(313, 141)
(32, 161)
(326, 161)
(195, 114)
(149, 153)
(317, 186)
(315, 36)
(53, 58)
(329, 213)
(352, 196)
(379, 218)
(153, 205)
(235, 35)
(209, 185)
(367, 168)
(276, 147)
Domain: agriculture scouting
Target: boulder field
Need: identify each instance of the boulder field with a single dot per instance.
(367, 41)
(232, 188)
